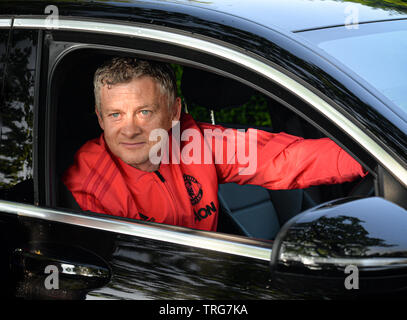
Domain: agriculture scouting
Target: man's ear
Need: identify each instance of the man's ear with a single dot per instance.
(177, 109)
(100, 120)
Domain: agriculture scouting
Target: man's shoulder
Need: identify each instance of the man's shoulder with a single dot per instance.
(87, 159)
(91, 151)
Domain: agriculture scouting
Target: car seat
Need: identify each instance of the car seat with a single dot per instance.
(76, 121)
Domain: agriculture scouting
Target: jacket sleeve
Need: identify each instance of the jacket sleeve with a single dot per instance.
(283, 161)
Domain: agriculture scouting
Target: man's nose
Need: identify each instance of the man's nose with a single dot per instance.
(130, 126)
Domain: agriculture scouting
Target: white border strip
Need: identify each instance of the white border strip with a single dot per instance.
(138, 230)
(322, 106)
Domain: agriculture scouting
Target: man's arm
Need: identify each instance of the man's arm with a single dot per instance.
(283, 161)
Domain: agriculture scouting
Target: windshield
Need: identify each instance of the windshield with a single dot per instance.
(377, 52)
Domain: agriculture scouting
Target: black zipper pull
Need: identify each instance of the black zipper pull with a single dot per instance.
(159, 175)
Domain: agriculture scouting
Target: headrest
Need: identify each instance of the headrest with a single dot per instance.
(213, 91)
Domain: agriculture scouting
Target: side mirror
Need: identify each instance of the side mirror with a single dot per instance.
(343, 248)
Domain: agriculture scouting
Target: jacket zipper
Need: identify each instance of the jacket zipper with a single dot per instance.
(166, 187)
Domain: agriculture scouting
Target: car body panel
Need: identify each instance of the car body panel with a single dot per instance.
(140, 267)
(293, 15)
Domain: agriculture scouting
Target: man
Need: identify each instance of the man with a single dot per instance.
(119, 174)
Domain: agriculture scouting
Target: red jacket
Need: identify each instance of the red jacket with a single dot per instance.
(186, 194)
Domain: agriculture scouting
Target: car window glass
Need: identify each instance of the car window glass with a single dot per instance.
(394, 45)
(16, 166)
(3, 52)
(358, 50)
(3, 57)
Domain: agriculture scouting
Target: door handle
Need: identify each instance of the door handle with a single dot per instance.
(57, 271)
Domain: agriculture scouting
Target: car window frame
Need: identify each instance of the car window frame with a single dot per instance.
(316, 119)
(297, 87)
(55, 215)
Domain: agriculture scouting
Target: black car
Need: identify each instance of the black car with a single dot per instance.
(314, 69)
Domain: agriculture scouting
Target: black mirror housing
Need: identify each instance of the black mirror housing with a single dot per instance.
(345, 247)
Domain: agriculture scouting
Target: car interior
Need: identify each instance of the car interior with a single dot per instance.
(247, 210)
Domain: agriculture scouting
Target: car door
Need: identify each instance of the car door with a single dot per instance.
(56, 252)
(51, 253)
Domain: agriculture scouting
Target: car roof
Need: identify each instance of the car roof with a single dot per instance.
(288, 15)
(297, 15)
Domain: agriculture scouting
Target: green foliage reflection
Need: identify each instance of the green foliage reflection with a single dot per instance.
(17, 111)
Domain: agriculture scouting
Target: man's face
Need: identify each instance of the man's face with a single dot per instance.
(129, 112)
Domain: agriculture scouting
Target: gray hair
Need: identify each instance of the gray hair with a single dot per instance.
(123, 70)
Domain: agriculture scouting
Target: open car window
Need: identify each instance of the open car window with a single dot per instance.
(248, 210)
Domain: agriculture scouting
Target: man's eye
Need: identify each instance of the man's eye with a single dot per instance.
(114, 115)
(145, 112)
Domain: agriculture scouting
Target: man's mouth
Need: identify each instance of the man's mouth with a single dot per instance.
(132, 145)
